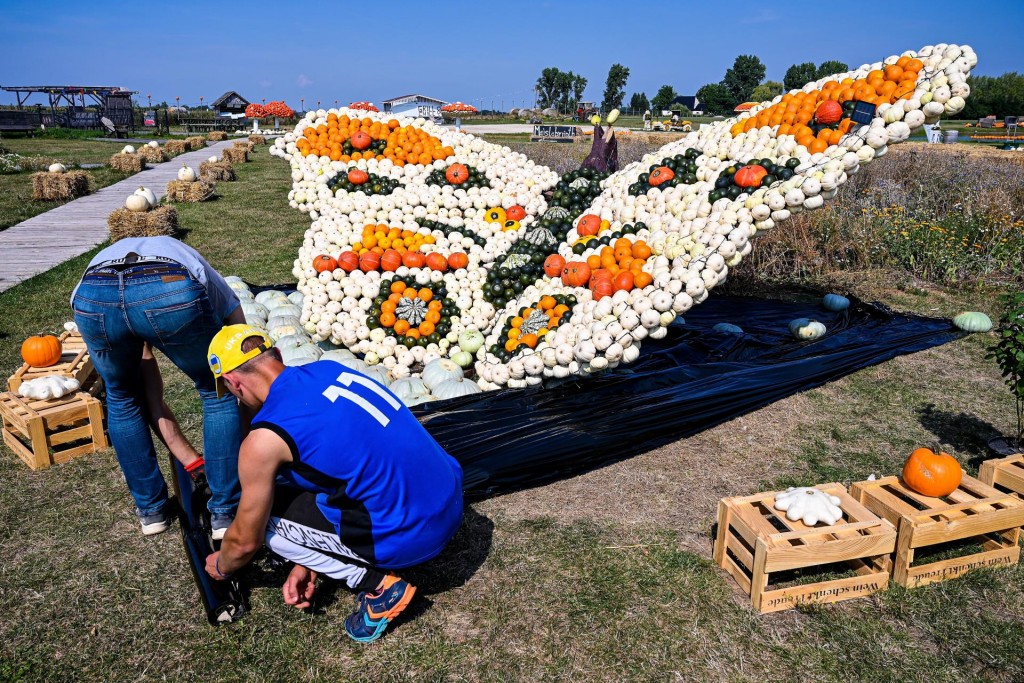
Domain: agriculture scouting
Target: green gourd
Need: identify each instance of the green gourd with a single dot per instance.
(973, 321)
(835, 302)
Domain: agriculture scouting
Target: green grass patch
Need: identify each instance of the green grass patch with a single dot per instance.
(17, 205)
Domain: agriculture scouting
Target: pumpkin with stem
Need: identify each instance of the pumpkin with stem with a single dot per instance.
(41, 351)
(932, 474)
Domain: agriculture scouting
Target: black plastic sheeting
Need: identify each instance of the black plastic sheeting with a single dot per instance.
(691, 380)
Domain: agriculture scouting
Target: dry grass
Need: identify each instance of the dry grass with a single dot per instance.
(123, 223)
(195, 142)
(185, 191)
(257, 139)
(216, 171)
(176, 147)
(127, 163)
(235, 155)
(153, 155)
(59, 186)
(216, 136)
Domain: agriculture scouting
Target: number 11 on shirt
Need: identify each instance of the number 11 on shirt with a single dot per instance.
(334, 392)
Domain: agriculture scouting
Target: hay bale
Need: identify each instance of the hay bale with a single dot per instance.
(216, 171)
(175, 147)
(185, 191)
(153, 155)
(59, 186)
(257, 139)
(160, 221)
(127, 163)
(216, 136)
(244, 144)
(195, 142)
(235, 155)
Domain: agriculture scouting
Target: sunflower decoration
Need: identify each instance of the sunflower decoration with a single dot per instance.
(415, 315)
(533, 323)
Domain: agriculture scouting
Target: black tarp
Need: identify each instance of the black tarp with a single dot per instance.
(691, 380)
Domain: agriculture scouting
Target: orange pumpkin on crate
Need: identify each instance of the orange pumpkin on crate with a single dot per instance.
(932, 474)
(41, 351)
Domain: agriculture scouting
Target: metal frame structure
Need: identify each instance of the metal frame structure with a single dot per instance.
(74, 98)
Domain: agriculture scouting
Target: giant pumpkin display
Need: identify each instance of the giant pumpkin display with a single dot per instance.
(683, 207)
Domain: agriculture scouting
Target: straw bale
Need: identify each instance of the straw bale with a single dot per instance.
(235, 155)
(160, 221)
(216, 136)
(59, 186)
(153, 155)
(185, 191)
(216, 171)
(175, 147)
(257, 139)
(195, 142)
(127, 163)
(244, 144)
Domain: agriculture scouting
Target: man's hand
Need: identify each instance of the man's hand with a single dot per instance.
(299, 587)
(211, 566)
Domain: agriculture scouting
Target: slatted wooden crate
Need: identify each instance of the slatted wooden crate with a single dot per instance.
(975, 513)
(74, 362)
(755, 542)
(1005, 474)
(71, 425)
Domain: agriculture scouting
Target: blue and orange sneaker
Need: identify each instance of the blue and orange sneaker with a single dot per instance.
(377, 610)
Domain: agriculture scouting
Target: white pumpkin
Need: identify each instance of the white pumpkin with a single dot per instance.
(453, 388)
(462, 358)
(378, 373)
(804, 329)
(440, 370)
(153, 144)
(213, 160)
(471, 340)
(148, 194)
(51, 386)
(137, 202)
(186, 174)
(128, 149)
(409, 387)
(56, 168)
(809, 505)
(337, 355)
(293, 354)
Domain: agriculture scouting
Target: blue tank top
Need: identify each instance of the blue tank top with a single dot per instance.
(391, 491)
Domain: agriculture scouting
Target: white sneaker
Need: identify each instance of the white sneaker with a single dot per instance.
(153, 524)
(219, 525)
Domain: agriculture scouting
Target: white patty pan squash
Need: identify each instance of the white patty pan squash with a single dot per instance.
(809, 505)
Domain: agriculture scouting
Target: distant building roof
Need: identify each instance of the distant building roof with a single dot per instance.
(230, 94)
(412, 98)
(746, 106)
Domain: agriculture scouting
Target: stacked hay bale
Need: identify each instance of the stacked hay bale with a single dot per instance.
(189, 191)
(216, 136)
(152, 154)
(257, 139)
(59, 185)
(216, 171)
(244, 144)
(127, 223)
(236, 155)
(175, 147)
(127, 162)
(195, 142)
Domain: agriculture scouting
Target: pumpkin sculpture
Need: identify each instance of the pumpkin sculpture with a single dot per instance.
(688, 228)
(41, 351)
(932, 474)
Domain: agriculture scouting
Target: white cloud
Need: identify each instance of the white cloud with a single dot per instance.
(303, 81)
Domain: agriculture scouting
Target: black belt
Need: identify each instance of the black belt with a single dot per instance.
(136, 270)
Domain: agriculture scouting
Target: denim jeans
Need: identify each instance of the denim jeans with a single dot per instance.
(115, 314)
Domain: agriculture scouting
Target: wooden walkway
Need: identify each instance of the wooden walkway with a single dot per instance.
(49, 239)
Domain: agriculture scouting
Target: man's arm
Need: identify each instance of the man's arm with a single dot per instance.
(261, 454)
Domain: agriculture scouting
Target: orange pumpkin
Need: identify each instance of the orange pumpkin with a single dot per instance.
(828, 112)
(361, 140)
(357, 176)
(553, 265)
(324, 262)
(576, 274)
(348, 261)
(750, 175)
(369, 261)
(41, 351)
(436, 261)
(458, 260)
(932, 474)
(413, 259)
(599, 275)
(457, 174)
(391, 260)
(590, 224)
(603, 288)
(660, 175)
(515, 213)
(623, 281)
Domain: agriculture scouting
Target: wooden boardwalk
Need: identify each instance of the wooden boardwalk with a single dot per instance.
(49, 239)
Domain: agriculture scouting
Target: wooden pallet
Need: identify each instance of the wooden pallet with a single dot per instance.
(32, 427)
(975, 512)
(755, 541)
(74, 362)
(1004, 474)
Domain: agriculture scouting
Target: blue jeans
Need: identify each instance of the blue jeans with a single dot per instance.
(115, 314)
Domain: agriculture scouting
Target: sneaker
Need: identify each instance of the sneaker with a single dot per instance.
(219, 525)
(155, 523)
(377, 610)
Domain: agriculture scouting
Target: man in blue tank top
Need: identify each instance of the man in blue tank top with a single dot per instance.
(337, 476)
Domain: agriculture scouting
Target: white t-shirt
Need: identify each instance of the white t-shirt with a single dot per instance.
(222, 297)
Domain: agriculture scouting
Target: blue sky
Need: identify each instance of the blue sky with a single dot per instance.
(485, 53)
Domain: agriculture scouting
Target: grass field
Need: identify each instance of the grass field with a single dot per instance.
(601, 577)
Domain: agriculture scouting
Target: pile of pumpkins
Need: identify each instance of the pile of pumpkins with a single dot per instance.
(278, 314)
(695, 235)
(143, 199)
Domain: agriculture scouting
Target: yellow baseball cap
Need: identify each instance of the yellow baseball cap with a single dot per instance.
(226, 353)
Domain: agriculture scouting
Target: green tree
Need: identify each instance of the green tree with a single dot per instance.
(639, 103)
(998, 96)
(550, 87)
(829, 68)
(663, 99)
(614, 87)
(577, 84)
(746, 72)
(768, 90)
(716, 98)
(799, 74)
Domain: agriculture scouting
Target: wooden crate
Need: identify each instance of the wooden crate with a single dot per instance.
(1004, 474)
(975, 513)
(755, 541)
(32, 427)
(74, 362)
